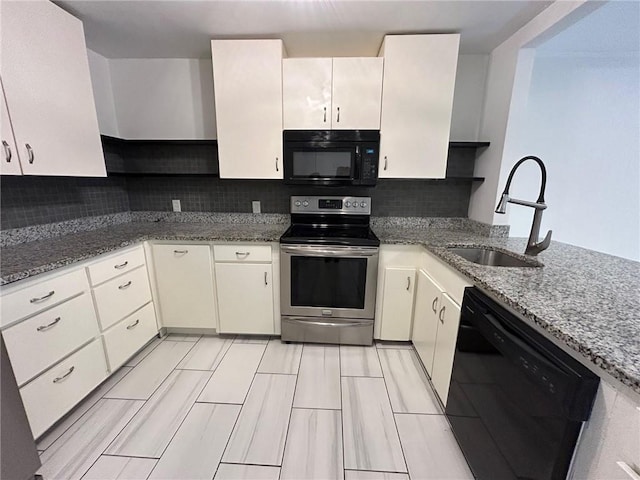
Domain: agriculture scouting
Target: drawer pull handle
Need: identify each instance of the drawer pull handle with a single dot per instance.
(385, 162)
(243, 254)
(441, 315)
(7, 151)
(408, 283)
(325, 115)
(633, 475)
(434, 305)
(46, 327)
(181, 252)
(122, 265)
(30, 152)
(133, 325)
(265, 278)
(277, 169)
(59, 379)
(338, 118)
(125, 285)
(43, 298)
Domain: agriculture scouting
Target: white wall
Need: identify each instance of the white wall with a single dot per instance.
(583, 120)
(468, 97)
(164, 98)
(103, 94)
(503, 63)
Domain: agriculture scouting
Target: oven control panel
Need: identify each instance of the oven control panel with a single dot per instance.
(331, 205)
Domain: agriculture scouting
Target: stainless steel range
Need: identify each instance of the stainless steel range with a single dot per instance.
(328, 271)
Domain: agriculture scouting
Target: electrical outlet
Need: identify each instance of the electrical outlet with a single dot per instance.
(176, 205)
(255, 206)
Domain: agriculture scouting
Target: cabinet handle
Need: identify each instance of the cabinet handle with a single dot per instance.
(125, 285)
(265, 278)
(277, 169)
(633, 475)
(30, 152)
(325, 115)
(62, 377)
(133, 325)
(242, 254)
(122, 265)
(408, 283)
(385, 162)
(46, 327)
(7, 151)
(338, 119)
(441, 315)
(44, 297)
(181, 252)
(434, 307)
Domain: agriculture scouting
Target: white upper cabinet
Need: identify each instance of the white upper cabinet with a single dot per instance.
(339, 93)
(247, 81)
(417, 102)
(45, 73)
(9, 162)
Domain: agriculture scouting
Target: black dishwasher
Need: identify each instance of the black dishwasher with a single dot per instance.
(516, 402)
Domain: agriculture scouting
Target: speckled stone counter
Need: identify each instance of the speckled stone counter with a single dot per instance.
(589, 301)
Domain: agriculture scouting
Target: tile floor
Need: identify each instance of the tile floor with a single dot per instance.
(190, 407)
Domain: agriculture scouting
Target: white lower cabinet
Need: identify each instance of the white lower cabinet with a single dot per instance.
(448, 322)
(55, 392)
(397, 303)
(245, 298)
(184, 278)
(425, 319)
(127, 337)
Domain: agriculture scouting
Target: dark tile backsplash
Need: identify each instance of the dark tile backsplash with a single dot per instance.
(35, 200)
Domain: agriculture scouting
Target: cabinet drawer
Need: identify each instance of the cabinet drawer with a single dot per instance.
(55, 392)
(124, 339)
(121, 296)
(116, 265)
(242, 253)
(37, 297)
(37, 343)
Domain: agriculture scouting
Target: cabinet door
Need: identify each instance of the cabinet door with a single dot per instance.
(184, 276)
(449, 320)
(247, 79)
(245, 298)
(45, 72)
(357, 93)
(397, 303)
(425, 319)
(9, 162)
(306, 93)
(417, 102)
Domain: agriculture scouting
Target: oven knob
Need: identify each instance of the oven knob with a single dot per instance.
(355, 205)
(347, 204)
(305, 204)
(298, 203)
(363, 204)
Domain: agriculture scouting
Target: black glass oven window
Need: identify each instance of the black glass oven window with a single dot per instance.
(322, 164)
(328, 282)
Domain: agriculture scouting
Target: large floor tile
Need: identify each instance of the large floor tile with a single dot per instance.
(281, 357)
(71, 455)
(206, 354)
(430, 449)
(260, 432)
(180, 337)
(120, 468)
(319, 378)
(150, 372)
(227, 471)
(314, 446)
(252, 339)
(52, 435)
(197, 447)
(151, 430)
(136, 359)
(362, 475)
(359, 362)
(370, 437)
(396, 345)
(232, 379)
(409, 389)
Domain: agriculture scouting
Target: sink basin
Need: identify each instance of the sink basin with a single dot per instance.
(493, 258)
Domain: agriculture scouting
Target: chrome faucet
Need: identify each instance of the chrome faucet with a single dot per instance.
(533, 246)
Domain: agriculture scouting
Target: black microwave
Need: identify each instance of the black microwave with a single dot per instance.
(331, 157)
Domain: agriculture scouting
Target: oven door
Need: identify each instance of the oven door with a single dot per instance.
(328, 281)
(329, 163)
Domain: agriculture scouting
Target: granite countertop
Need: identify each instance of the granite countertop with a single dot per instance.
(587, 300)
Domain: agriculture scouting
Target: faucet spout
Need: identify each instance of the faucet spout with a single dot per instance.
(534, 247)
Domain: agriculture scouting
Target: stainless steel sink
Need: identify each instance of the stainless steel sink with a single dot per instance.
(491, 257)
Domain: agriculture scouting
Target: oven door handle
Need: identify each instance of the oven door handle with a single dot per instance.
(329, 324)
(333, 252)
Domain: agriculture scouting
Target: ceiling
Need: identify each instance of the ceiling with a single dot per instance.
(183, 28)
